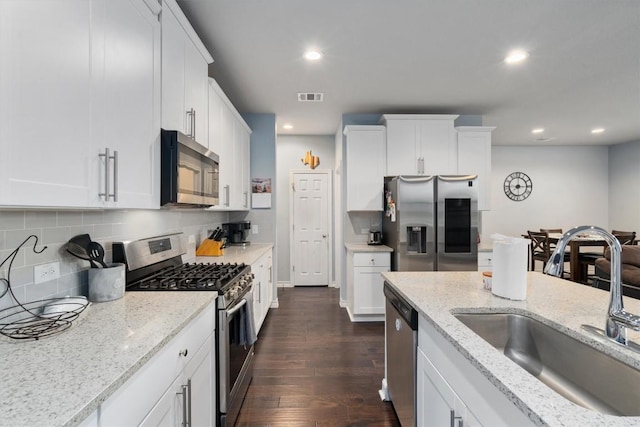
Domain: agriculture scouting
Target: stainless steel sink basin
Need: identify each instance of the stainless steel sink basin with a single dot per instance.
(578, 372)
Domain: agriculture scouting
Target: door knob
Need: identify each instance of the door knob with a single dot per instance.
(324, 236)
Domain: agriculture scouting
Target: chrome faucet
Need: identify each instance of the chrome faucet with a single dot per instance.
(617, 318)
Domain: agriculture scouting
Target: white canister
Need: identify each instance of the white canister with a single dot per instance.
(106, 284)
(510, 258)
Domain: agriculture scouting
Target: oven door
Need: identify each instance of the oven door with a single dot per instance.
(235, 364)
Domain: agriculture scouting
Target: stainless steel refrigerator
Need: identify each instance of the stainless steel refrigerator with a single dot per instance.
(431, 222)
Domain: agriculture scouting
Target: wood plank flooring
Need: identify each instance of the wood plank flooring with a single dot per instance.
(313, 367)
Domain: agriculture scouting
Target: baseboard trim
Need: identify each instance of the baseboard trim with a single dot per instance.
(343, 303)
(285, 285)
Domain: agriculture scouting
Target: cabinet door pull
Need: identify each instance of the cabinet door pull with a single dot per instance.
(185, 403)
(107, 194)
(246, 199)
(226, 200)
(453, 419)
(193, 123)
(115, 176)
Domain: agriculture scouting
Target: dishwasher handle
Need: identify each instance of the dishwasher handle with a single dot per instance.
(405, 310)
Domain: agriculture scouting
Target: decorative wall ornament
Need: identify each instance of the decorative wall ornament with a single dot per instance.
(311, 160)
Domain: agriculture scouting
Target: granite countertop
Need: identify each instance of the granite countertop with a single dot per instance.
(62, 379)
(363, 247)
(248, 254)
(560, 303)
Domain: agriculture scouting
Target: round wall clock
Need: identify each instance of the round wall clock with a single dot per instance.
(518, 186)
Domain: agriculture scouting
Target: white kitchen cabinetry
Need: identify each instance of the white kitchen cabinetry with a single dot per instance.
(184, 75)
(485, 260)
(451, 391)
(151, 396)
(365, 294)
(365, 167)
(440, 405)
(420, 144)
(100, 91)
(474, 158)
(262, 288)
(188, 401)
(229, 137)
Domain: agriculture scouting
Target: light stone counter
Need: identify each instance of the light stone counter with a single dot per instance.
(62, 379)
(560, 303)
(363, 247)
(248, 254)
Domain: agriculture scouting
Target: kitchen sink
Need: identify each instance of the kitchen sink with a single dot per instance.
(575, 370)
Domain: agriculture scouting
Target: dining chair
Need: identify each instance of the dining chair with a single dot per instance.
(541, 249)
(552, 230)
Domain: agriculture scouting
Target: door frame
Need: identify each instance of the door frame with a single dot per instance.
(328, 173)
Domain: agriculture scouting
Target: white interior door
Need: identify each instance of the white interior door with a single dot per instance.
(310, 227)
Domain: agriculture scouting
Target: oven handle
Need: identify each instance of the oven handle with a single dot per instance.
(236, 307)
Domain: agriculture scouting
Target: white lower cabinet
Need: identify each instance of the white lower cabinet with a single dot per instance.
(365, 294)
(485, 261)
(262, 288)
(188, 401)
(439, 404)
(153, 396)
(453, 392)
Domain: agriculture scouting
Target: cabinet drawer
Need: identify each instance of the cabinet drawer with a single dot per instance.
(378, 259)
(485, 261)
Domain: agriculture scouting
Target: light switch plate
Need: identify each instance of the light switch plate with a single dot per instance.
(254, 228)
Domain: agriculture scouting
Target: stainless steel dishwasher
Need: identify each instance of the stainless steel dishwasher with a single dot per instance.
(401, 335)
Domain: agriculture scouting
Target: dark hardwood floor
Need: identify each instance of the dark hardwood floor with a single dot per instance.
(313, 367)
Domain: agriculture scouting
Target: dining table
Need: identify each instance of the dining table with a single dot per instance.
(576, 272)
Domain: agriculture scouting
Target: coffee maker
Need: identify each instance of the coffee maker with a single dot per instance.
(237, 232)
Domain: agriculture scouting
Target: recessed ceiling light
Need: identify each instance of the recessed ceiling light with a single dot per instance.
(516, 56)
(287, 126)
(312, 55)
(537, 130)
(597, 130)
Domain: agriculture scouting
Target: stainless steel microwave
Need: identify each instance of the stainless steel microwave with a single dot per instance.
(189, 172)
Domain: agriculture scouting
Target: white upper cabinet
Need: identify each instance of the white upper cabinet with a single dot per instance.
(365, 167)
(45, 103)
(127, 111)
(420, 144)
(184, 75)
(474, 158)
(86, 80)
(229, 138)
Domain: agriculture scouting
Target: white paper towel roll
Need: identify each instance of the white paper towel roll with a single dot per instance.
(510, 267)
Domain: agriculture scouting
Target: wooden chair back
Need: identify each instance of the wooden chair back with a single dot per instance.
(625, 237)
(539, 243)
(551, 230)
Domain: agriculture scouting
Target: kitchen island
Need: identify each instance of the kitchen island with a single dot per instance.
(562, 304)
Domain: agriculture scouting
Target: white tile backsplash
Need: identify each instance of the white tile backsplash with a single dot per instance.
(55, 228)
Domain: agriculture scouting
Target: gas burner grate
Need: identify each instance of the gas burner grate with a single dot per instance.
(191, 276)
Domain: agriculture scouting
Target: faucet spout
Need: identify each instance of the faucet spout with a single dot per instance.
(617, 317)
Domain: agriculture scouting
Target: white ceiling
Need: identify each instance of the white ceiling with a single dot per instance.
(433, 56)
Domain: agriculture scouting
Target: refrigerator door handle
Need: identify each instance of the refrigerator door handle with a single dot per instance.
(454, 178)
(409, 179)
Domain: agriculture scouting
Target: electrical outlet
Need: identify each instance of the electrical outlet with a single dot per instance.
(192, 238)
(46, 272)
(254, 228)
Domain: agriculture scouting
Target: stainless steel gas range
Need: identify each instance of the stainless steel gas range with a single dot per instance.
(155, 265)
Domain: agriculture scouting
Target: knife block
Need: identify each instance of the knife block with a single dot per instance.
(210, 247)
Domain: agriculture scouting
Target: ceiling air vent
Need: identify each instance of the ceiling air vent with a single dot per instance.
(310, 97)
